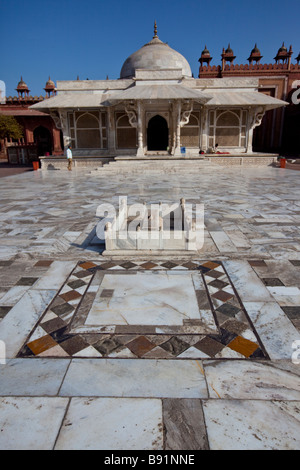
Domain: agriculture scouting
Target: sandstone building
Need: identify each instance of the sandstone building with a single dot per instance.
(40, 135)
(279, 130)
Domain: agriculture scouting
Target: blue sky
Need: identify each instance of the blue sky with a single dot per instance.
(93, 38)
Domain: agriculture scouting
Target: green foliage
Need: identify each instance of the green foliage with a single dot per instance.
(10, 128)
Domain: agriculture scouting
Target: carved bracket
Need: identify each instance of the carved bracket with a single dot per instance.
(257, 117)
(56, 118)
(64, 120)
(132, 113)
(186, 111)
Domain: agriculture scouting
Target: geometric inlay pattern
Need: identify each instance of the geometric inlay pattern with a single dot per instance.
(145, 309)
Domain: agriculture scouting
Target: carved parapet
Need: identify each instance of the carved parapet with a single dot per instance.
(210, 68)
(213, 69)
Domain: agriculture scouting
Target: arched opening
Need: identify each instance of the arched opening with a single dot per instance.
(42, 138)
(157, 134)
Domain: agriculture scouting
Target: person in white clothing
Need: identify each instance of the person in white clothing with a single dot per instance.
(69, 157)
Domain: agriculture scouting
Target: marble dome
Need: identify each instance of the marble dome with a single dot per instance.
(155, 55)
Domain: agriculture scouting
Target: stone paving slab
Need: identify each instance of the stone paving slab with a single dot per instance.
(215, 388)
(44, 415)
(269, 413)
(254, 425)
(269, 409)
(222, 379)
(267, 227)
(108, 425)
(244, 380)
(103, 423)
(35, 377)
(135, 378)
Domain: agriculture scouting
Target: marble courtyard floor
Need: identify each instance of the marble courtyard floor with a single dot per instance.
(192, 352)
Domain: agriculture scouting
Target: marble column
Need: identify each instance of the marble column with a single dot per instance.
(255, 117)
(111, 131)
(140, 120)
(177, 138)
(134, 112)
(204, 130)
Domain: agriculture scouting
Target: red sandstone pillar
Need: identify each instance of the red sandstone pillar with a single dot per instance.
(29, 138)
(57, 150)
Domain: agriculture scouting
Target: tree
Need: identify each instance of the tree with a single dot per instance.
(10, 128)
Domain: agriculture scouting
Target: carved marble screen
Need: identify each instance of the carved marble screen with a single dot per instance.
(88, 129)
(190, 133)
(227, 128)
(126, 134)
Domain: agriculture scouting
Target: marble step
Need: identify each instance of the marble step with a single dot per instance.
(145, 172)
(159, 162)
(156, 166)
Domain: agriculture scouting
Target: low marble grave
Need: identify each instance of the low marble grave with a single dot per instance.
(170, 227)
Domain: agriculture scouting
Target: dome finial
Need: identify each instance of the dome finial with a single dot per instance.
(155, 30)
